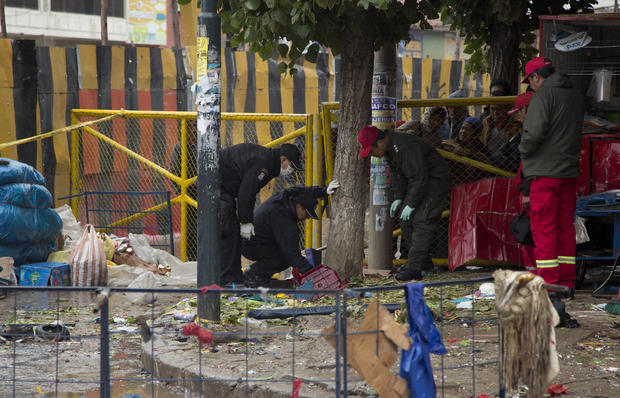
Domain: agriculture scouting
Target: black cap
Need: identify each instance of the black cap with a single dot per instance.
(308, 202)
(292, 154)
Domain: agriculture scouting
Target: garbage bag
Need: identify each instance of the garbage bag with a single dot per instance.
(16, 171)
(26, 214)
(27, 253)
(88, 264)
(415, 363)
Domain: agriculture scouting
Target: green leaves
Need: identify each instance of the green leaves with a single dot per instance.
(262, 23)
(252, 4)
(184, 2)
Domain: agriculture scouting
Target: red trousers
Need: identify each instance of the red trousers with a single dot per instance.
(552, 213)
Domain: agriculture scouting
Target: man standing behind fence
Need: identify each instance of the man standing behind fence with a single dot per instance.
(421, 183)
(244, 170)
(550, 148)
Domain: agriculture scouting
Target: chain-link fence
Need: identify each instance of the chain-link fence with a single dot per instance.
(156, 151)
(60, 341)
(476, 136)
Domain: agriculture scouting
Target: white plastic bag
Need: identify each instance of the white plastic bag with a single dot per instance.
(88, 264)
(581, 233)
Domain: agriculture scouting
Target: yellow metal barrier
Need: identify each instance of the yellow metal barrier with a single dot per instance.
(135, 150)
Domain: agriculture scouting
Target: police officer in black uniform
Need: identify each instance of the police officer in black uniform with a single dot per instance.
(275, 244)
(244, 170)
(421, 185)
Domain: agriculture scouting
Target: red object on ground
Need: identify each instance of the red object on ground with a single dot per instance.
(483, 396)
(204, 336)
(557, 389)
(480, 228)
(296, 387)
(214, 286)
(454, 340)
(322, 277)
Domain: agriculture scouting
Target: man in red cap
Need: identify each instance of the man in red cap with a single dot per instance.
(550, 149)
(421, 184)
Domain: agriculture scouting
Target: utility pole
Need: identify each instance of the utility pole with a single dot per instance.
(104, 22)
(3, 34)
(207, 89)
(383, 117)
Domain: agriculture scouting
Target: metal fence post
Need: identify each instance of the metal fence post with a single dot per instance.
(170, 229)
(104, 355)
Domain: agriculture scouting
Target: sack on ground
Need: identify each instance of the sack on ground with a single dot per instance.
(88, 260)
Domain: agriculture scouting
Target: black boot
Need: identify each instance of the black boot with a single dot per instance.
(406, 274)
(566, 321)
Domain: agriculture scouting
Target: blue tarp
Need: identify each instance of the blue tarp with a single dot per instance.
(415, 364)
(19, 172)
(29, 226)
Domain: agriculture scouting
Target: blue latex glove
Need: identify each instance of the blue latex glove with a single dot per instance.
(406, 213)
(394, 207)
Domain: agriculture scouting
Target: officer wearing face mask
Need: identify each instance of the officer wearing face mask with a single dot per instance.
(244, 170)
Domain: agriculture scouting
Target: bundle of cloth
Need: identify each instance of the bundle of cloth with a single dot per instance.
(528, 319)
(30, 226)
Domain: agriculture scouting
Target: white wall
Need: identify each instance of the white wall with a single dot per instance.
(62, 25)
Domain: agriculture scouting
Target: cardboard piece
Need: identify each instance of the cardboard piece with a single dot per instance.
(6, 268)
(373, 362)
(42, 274)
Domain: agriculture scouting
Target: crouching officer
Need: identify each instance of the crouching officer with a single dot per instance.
(244, 170)
(421, 184)
(275, 244)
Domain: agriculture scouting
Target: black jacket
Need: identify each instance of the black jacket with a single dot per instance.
(276, 223)
(551, 141)
(413, 162)
(244, 170)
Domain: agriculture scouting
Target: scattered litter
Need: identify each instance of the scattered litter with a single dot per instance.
(473, 268)
(252, 323)
(127, 329)
(118, 319)
(557, 389)
(184, 316)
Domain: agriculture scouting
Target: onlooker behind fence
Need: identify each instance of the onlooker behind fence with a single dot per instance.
(428, 128)
(468, 143)
(421, 183)
(507, 157)
(456, 115)
(497, 88)
(275, 245)
(244, 170)
(550, 149)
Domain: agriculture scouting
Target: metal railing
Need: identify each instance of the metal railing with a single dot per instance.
(249, 354)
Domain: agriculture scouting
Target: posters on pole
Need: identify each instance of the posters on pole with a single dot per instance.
(147, 21)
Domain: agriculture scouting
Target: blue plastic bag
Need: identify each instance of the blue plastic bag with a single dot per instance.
(415, 364)
(26, 214)
(19, 172)
(27, 253)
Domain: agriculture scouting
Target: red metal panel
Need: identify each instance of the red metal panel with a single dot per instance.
(480, 221)
(606, 164)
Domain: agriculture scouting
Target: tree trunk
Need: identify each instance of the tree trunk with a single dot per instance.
(174, 15)
(2, 21)
(104, 22)
(346, 230)
(505, 54)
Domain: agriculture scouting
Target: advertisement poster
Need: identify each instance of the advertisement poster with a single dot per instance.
(147, 21)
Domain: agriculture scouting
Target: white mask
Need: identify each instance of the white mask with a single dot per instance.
(286, 172)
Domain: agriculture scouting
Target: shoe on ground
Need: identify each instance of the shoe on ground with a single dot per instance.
(566, 321)
(253, 280)
(407, 274)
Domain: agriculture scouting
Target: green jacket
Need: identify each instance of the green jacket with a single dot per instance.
(551, 141)
(413, 162)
